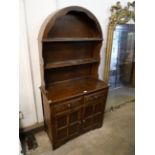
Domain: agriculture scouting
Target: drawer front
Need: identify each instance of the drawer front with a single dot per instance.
(97, 97)
(67, 105)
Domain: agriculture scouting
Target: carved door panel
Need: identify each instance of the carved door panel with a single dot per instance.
(98, 113)
(99, 108)
(93, 110)
(68, 124)
(61, 127)
(87, 119)
(74, 122)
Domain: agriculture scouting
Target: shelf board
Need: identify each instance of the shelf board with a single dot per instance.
(71, 39)
(59, 64)
(75, 87)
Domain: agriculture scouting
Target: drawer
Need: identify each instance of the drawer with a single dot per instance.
(68, 105)
(97, 97)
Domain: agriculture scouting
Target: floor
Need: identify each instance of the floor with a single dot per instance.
(115, 137)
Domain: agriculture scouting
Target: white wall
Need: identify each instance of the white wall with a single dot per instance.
(36, 12)
(26, 94)
(31, 20)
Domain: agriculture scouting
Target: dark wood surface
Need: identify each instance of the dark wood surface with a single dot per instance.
(75, 87)
(67, 73)
(59, 64)
(64, 51)
(75, 25)
(73, 97)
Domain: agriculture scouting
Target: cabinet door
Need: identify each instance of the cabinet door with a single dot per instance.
(74, 122)
(93, 111)
(87, 118)
(68, 125)
(98, 112)
(61, 127)
(67, 119)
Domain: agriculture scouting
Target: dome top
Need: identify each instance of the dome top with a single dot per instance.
(72, 22)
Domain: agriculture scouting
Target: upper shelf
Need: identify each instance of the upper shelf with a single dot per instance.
(71, 39)
(59, 64)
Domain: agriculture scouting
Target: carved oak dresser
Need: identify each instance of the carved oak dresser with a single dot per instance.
(73, 97)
